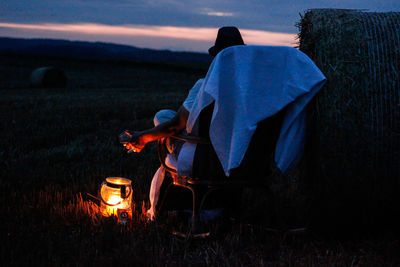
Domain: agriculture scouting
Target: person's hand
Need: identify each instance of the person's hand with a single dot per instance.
(125, 137)
(133, 141)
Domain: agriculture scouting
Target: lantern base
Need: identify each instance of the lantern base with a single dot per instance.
(124, 216)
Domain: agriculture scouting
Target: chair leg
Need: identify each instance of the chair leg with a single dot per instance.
(162, 198)
(199, 196)
(196, 209)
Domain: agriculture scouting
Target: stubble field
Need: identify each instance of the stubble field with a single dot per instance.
(56, 145)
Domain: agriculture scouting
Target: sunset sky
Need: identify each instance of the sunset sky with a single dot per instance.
(185, 25)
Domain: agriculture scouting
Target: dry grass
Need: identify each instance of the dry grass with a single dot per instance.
(57, 145)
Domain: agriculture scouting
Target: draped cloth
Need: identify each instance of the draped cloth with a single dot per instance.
(249, 84)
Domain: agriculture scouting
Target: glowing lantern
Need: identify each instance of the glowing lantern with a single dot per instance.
(116, 196)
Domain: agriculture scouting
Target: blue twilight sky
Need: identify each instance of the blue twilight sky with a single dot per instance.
(169, 24)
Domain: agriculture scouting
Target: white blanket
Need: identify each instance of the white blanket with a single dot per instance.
(249, 84)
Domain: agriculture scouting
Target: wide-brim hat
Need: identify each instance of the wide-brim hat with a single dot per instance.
(227, 36)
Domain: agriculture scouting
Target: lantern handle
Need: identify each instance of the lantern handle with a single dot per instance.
(123, 191)
(122, 188)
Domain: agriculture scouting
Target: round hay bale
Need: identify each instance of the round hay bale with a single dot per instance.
(46, 77)
(354, 134)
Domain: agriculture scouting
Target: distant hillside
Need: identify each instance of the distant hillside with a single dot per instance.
(98, 51)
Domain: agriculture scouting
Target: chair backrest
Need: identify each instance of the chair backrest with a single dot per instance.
(257, 161)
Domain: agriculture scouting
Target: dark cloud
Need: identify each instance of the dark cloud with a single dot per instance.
(271, 15)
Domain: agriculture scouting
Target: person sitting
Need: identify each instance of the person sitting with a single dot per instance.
(169, 122)
(245, 85)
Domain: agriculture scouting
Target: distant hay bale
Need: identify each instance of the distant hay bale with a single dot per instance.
(354, 138)
(46, 77)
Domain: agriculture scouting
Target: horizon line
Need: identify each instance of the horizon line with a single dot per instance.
(195, 39)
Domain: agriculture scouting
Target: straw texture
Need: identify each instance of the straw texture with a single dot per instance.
(353, 149)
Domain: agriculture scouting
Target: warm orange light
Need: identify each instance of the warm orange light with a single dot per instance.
(114, 200)
(128, 146)
(115, 193)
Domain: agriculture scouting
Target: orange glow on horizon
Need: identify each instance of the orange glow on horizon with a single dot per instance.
(257, 37)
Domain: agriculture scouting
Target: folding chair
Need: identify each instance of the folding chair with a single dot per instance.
(208, 175)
